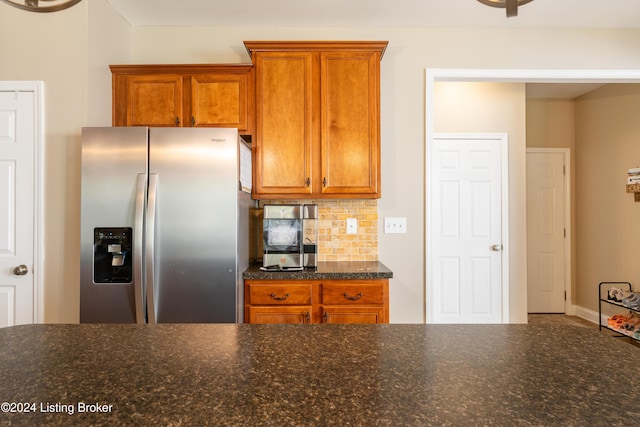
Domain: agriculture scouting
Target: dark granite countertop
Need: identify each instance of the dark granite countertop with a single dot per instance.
(316, 375)
(343, 270)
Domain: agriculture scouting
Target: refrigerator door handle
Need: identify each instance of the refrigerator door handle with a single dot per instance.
(149, 248)
(137, 247)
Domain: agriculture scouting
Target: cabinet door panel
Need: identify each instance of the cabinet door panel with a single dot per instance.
(349, 125)
(154, 100)
(290, 314)
(362, 315)
(219, 100)
(284, 123)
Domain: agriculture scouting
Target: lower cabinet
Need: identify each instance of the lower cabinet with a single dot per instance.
(317, 301)
(269, 302)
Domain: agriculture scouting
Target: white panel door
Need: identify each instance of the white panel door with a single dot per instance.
(545, 232)
(466, 231)
(17, 145)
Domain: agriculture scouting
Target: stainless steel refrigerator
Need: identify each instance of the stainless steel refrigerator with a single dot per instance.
(164, 225)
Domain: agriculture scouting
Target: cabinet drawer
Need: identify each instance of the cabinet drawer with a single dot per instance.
(283, 294)
(353, 293)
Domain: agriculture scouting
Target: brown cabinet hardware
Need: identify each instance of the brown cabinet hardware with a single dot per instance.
(280, 298)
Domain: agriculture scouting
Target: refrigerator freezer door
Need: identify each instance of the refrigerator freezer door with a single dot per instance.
(196, 224)
(112, 160)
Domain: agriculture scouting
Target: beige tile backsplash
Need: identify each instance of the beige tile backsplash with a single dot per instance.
(334, 244)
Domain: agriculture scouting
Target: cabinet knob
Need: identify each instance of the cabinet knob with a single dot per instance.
(177, 121)
(193, 121)
(308, 182)
(324, 181)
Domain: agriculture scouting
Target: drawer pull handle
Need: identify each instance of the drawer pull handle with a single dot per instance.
(280, 298)
(353, 298)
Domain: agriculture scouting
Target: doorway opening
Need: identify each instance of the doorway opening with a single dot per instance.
(517, 312)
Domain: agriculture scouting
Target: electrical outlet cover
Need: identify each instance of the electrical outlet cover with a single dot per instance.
(352, 226)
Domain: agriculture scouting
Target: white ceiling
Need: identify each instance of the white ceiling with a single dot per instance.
(560, 90)
(379, 13)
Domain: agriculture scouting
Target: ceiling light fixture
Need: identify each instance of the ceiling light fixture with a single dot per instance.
(47, 6)
(510, 5)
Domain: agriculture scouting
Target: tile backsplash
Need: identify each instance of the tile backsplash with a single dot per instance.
(334, 244)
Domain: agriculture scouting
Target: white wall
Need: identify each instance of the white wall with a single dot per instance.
(80, 43)
(51, 48)
(109, 42)
(59, 49)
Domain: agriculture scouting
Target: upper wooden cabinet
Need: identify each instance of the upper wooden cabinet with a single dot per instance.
(317, 119)
(184, 95)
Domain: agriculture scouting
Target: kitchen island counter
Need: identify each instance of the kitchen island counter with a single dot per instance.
(279, 375)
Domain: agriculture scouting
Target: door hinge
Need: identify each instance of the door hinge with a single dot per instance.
(565, 295)
(565, 233)
(564, 170)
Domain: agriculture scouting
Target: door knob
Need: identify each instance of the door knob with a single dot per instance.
(496, 248)
(21, 270)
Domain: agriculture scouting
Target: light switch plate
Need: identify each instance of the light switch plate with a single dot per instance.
(395, 225)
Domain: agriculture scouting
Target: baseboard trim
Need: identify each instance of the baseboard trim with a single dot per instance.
(588, 315)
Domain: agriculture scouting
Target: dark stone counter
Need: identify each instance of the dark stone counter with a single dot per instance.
(316, 375)
(344, 270)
